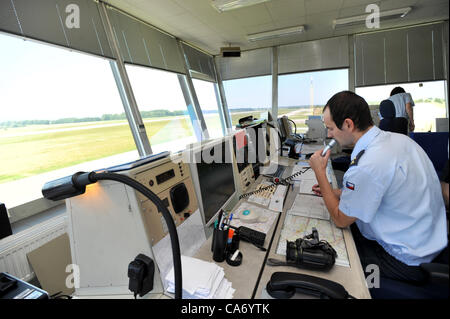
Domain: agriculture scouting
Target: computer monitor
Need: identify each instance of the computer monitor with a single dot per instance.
(240, 145)
(284, 127)
(212, 172)
(258, 150)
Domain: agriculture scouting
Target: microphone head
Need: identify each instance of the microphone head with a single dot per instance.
(332, 143)
(329, 146)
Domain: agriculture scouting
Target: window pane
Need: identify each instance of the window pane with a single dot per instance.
(208, 103)
(60, 113)
(428, 97)
(304, 94)
(249, 96)
(162, 107)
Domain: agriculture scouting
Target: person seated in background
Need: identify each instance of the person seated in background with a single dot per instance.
(403, 103)
(391, 192)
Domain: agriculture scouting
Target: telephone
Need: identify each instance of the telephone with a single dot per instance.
(284, 285)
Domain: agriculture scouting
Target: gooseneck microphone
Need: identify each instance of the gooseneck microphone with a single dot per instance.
(329, 146)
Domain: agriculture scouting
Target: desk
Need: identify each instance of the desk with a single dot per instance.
(245, 278)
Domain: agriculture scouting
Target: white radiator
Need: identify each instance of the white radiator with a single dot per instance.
(14, 248)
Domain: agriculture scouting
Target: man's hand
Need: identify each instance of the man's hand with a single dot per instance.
(318, 162)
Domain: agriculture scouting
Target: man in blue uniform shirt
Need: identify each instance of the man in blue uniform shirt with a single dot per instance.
(391, 190)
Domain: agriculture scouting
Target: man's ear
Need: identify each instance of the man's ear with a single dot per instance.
(348, 124)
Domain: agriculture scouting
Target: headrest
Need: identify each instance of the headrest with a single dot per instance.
(387, 109)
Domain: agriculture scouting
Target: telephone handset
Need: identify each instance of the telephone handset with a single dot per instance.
(284, 285)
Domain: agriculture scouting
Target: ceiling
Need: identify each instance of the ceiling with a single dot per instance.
(198, 23)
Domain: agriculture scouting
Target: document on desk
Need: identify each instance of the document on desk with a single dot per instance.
(309, 206)
(201, 280)
(306, 186)
(191, 235)
(298, 226)
(267, 217)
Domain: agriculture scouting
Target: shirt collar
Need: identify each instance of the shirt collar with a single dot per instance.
(365, 140)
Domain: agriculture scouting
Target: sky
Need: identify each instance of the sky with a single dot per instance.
(46, 82)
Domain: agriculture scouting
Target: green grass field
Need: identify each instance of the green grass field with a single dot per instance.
(27, 155)
(35, 149)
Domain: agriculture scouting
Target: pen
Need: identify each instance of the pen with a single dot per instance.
(231, 217)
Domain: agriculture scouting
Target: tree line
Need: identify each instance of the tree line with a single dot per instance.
(104, 117)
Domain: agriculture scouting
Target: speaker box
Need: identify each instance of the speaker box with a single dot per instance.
(5, 226)
(230, 52)
(180, 197)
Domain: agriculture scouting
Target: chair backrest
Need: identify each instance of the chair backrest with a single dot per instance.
(390, 122)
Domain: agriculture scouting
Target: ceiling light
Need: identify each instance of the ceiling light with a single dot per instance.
(225, 5)
(276, 33)
(390, 14)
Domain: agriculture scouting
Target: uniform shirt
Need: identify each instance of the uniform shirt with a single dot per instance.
(400, 100)
(394, 192)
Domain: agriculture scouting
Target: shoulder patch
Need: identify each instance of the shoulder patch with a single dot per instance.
(356, 159)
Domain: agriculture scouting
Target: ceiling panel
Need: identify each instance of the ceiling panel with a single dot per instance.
(286, 23)
(253, 15)
(286, 10)
(197, 22)
(314, 7)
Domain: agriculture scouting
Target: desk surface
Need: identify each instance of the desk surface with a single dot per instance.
(352, 278)
(246, 277)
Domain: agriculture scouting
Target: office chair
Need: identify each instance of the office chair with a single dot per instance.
(434, 287)
(435, 144)
(390, 122)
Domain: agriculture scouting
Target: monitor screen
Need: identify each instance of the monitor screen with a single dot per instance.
(215, 177)
(240, 143)
(258, 144)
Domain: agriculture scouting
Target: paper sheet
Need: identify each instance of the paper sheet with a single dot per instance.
(306, 186)
(309, 206)
(191, 235)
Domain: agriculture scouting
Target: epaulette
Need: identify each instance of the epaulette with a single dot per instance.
(356, 159)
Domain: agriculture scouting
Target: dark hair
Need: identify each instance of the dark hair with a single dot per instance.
(347, 104)
(397, 90)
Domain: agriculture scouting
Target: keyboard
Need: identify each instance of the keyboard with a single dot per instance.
(278, 173)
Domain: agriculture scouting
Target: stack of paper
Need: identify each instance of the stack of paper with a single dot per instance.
(201, 280)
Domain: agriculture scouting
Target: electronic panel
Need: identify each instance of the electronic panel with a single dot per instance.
(111, 223)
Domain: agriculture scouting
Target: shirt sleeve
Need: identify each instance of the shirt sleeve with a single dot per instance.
(408, 99)
(361, 195)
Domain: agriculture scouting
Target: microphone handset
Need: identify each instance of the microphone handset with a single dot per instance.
(329, 146)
